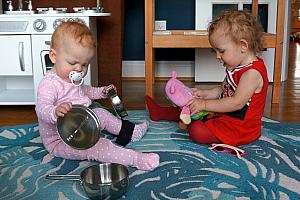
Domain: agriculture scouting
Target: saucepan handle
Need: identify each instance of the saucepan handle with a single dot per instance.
(68, 177)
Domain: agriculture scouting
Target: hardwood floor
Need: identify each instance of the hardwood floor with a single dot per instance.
(133, 97)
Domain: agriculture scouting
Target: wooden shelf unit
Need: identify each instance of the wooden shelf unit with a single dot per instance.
(180, 39)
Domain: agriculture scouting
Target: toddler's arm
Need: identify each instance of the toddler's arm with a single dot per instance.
(250, 82)
(213, 93)
(95, 92)
(46, 97)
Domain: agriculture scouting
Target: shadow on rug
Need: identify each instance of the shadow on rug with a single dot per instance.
(270, 170)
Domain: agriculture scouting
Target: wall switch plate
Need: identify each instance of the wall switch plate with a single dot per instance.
(160, 25)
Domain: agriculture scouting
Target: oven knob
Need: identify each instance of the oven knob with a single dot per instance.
(39, 25)
(57, 22)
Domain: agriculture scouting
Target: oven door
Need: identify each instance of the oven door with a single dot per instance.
(46, 62)
(15, 55)
(40, 57)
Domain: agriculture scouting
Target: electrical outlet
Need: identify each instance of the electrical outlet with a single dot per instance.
(160, 25)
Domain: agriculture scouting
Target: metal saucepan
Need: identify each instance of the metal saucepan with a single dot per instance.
(100, 181)
(79, 128)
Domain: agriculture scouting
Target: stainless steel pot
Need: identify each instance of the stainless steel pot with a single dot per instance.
(101, 181)
(79, 128)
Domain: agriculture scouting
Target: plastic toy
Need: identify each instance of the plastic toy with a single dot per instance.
(180, 94)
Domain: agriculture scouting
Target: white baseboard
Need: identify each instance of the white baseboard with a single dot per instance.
(162, 69)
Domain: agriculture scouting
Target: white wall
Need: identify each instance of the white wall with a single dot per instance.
(162, 69)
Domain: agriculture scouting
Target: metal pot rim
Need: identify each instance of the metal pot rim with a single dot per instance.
(83, 110)
(103, 184)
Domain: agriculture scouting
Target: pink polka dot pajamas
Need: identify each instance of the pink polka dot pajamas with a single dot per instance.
(52, 92)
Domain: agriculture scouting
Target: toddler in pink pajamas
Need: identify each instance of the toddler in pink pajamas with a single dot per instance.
(72, 48)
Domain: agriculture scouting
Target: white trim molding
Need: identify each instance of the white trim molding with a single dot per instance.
(162, 69)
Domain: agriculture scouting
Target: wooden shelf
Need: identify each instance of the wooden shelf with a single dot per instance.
(191, 39)
(199, 39)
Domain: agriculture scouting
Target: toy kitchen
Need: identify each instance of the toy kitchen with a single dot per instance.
(25, 36)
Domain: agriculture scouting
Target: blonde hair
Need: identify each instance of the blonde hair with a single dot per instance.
(240, 24)
(75, 30)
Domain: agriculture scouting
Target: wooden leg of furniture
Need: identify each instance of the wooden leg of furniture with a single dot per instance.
(149, 50)
(278, 51)
(149, 71)
(255, 7)
(277, 75)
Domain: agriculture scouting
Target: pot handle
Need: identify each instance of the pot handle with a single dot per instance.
(67, 177)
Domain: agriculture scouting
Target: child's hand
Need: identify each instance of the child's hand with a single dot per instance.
(196, 105)
(114, 87)
(107, 88)
(197, 93)
(62, 109)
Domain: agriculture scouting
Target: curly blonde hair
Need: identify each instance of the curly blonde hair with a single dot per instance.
(74, 29)
(240, 24)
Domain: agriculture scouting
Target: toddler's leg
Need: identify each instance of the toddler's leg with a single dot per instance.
(139, 131)
(200, 134)
(106, 151)
(108, 121)
(126, 129)
(158, 112)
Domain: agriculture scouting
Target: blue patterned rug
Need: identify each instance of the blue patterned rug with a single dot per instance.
(270, 170)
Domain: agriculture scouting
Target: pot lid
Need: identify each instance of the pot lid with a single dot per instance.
(79, 128)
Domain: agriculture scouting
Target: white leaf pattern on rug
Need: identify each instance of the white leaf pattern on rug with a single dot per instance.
(9, 135)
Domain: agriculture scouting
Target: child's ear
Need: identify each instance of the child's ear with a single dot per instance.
(244, 45)
(52, 55)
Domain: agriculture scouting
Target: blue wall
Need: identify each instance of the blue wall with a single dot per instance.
(179, 14)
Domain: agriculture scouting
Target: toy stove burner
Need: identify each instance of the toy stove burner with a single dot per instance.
(88, 10)
(51, 10)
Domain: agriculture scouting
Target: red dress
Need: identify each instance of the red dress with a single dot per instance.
(241, 126)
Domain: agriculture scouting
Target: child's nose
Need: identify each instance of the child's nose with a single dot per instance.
(78, 68)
